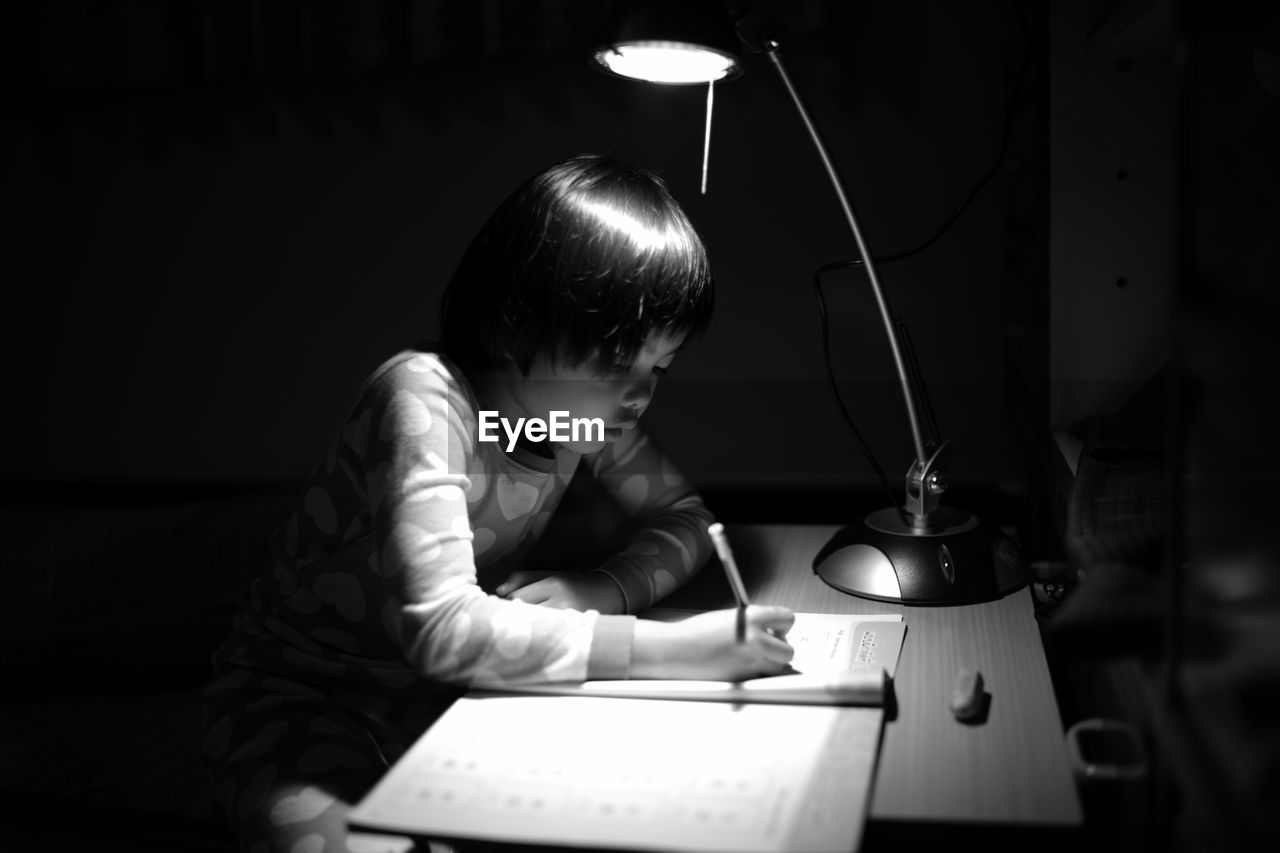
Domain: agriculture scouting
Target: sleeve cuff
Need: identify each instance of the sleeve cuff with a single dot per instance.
(626, 600)
(628, 572)
(611, 645)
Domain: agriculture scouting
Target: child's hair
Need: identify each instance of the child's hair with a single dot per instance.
(589, 257)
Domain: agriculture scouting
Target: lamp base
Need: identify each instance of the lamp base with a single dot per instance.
(959, 559)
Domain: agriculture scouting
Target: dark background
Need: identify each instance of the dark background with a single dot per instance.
(219, 215)
(224, 214)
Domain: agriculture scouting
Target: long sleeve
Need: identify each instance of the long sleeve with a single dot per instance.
(672, 543)
(418, 455)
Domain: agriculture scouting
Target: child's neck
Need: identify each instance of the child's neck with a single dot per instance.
(544, 449)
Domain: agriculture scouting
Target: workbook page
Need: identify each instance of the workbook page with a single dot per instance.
(654, 774)
(621, 773)
(827, 643)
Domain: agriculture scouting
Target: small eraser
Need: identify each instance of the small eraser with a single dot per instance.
(966, 695)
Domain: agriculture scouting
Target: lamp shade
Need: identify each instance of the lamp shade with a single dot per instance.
(669, 41)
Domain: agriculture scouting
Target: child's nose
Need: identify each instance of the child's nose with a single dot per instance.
(639, 392)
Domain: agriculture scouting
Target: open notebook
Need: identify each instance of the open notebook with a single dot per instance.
(595, 769)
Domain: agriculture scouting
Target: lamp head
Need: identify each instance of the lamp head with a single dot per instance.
(669, 41)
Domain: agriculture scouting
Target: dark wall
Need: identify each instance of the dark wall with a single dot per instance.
(1228, 587)
(221, 219)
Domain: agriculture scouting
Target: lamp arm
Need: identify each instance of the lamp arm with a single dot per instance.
(922, 456)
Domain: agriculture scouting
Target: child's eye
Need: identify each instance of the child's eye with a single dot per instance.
(609, 370)
(624, 370)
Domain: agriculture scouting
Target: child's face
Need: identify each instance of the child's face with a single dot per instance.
(617, 394)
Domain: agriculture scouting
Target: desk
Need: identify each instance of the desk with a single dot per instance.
(1011, 771)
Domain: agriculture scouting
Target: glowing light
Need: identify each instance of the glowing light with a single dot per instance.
(666, 62)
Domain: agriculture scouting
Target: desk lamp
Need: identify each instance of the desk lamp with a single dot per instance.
(921, 552)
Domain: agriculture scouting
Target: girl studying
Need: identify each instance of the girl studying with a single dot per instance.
(396, 584)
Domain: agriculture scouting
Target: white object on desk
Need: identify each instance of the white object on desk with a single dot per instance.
(657, 775)
(595, 772)
(839, 660)
(849, 688)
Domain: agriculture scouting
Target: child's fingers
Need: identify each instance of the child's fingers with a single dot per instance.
(776, 650)
(771, 617)
(774, 622)
(516, 580)
(534, 593)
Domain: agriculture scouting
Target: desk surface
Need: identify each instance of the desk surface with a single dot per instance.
(1011, 770)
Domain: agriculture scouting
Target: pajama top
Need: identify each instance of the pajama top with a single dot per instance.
(379, 578)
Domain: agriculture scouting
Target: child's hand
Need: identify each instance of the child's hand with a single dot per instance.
(564, 590)
(706, 646)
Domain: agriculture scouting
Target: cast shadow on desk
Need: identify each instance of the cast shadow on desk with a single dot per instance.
(979, 716)
(890, 705)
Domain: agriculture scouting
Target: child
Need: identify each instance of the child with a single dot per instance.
(392, 589)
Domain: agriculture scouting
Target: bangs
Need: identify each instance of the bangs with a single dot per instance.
(585, 260)
(624, 272)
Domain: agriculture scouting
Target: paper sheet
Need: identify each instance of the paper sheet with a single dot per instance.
(654, 775)
(826, 643)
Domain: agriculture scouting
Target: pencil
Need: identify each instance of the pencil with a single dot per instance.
(731, 572)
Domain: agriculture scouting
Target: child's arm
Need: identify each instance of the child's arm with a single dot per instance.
(706, 646)
(414, 439)
(411, 436)
(671, 545)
